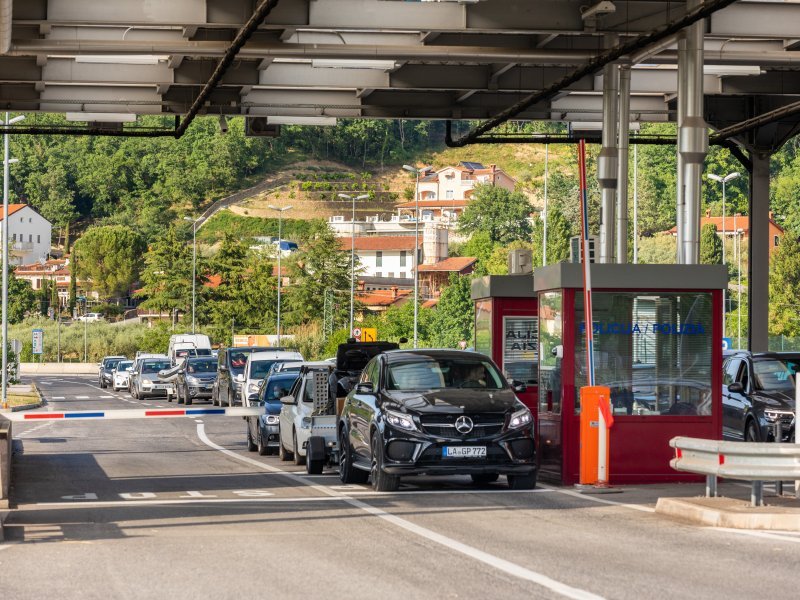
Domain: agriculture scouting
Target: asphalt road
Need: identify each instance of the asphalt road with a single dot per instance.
(178, 508)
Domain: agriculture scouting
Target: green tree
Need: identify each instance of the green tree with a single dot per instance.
(21, 299)
(503, 215)
(167, 273)
(321, 265)
(109, 259)
(710, 245)
(784, 288)
(50, 193)
(398, 322)
(657, 250)
(453, 318)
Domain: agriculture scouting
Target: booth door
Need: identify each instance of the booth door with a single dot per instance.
(550, 384)
(519, 354)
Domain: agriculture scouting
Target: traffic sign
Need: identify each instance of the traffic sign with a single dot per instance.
(727, 343)
(369, 334)
(357, 332)
(38, 341)
(16, 346)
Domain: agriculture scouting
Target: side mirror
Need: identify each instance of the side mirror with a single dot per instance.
(736, 388)
(518, 386)
(240, 378)
(287, 400)
(252, 398)
(365, 388)
(403, 340)
(181, 371)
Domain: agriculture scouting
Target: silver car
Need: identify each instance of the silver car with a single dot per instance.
(145, 382)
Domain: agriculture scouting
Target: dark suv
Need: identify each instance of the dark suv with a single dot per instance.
(230, 374)
(435, 412)
(758, 392)
(105, 374)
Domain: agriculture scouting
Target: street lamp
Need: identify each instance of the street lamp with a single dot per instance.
(194, 263)
(280, 252)
(723, 181)
(4, 238)
(416, 250)
(739, 234)
(353, 251)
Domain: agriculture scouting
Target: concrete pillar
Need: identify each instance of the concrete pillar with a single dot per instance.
(694, 140)
(622, 170)
(758, 253)
(680, 204)
(607, 161)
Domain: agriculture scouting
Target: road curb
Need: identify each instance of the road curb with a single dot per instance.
(731, 513)
(42, 402)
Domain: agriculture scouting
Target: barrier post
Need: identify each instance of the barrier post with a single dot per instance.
(594, 440)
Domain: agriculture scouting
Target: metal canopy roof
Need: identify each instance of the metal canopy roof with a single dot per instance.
(466, 59)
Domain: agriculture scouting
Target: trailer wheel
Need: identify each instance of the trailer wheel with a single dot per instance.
(315, 455)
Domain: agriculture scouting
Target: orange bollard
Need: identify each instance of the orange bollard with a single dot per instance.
(595, 422)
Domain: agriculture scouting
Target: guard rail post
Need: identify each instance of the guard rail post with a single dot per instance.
(757, 494)
(711, 486)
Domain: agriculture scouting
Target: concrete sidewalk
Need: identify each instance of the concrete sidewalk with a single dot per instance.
(778, 514)
(50, 368)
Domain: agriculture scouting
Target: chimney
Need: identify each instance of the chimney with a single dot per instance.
(708, 212)
(394, 292)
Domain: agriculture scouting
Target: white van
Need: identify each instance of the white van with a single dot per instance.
(258, 367)
(188, 344)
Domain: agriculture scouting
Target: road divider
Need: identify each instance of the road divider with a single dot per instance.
(147, 413)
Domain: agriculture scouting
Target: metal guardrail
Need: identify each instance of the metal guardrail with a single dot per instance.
(748, 461)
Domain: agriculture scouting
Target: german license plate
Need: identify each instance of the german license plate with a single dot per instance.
(464, 452)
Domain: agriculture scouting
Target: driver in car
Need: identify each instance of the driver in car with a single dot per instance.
(470, 376)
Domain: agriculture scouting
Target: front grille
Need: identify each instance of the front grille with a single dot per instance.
(485, 425)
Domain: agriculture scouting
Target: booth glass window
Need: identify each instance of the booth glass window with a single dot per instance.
(551, 345)
(521, 349)
(483, 327)
(653, 350)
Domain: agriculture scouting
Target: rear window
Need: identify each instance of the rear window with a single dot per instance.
(238, 360)
(155, 366)
(110, 363)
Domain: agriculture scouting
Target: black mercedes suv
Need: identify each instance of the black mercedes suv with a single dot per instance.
(435, 412)
(758, 394)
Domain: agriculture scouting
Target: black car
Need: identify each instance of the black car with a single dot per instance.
(230, 374)
(106, 372)
(435, 412)
(758, 393)
(195, 379)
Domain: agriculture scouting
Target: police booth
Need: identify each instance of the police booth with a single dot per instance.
(657, 346)
(506, 328)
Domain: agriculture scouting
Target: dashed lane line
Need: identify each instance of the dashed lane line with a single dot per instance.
(470, 551)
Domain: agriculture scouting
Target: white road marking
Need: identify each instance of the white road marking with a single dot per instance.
(106, 396)
(81, 397)
(783, 536)
(470, 551)
(592, 498)
(167, 502)
(198, 420)
(58, 398)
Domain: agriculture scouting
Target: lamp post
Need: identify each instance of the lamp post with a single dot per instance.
(194, 264)
(723, 181)
(280, 252)
(416, 250)
(544, 225)
(739, 234)
(353, 251)
(4, 238)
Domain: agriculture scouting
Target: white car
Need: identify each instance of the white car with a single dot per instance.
(296, 409)
(258, 367)
(121, 376)
(91, 317)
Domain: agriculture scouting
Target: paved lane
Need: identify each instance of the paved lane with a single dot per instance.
(178, 506)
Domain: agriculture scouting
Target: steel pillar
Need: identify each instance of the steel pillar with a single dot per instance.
(680, 203)
(622, 170)
(758, 253)
(694, 140)
(607, 161)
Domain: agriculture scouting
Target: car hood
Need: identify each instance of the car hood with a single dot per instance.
(456, 401)
(777, 400)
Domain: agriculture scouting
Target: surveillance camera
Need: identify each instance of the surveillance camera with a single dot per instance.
(223, 124)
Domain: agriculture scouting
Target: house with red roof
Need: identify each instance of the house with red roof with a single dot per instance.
(28, 235)
(730, 226)
(434, 277)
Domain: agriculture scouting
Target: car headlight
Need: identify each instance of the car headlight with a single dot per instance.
(521, 418)
(400, 420)
(192, 380)
(305, 423)
(146, 383)
(274, 419)
(776, 415)
(252, 388)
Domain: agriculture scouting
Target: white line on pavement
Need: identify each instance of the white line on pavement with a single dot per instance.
(591, 498)
(58, 398)
(785, 536)
(168, 502)
(81, 397)
(470, 551)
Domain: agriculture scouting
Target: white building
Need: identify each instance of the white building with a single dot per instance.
(28, 234)
(458, 183)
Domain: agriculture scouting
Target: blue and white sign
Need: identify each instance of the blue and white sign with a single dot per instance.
(38, 341)
(727, 343)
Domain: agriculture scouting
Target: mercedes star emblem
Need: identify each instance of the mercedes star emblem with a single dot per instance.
(463, 425)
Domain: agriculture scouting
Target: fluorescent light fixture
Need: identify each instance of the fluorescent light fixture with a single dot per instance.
(289, 120)
(601, 8)
(120, 59)
(341, 63)
(97, 117)
(732, 70)
(598, 126)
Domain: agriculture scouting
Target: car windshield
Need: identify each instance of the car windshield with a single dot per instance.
(260, 369)
(277, 389)
(155, 366)
(202, 366)
(775, 375)
(110, 363)
(124, 364)
(430, 373)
